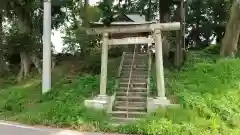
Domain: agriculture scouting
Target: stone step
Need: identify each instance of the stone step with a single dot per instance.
(131, 98)
(131, 104)
(142, 76)
(133, 84)
(136, 89)
(135, 63)
(137, 54)
(130, 109)
(125, 114)
(141, 71)
(133, 79)
(127, 85)
(139, 61)
(134, 73)
(124, 120)
(137, 57)
(134, 69)
(129, 93)
(137, 66)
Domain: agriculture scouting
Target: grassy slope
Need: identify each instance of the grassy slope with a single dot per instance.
(63, 107)
(208, 91)
(209, 94)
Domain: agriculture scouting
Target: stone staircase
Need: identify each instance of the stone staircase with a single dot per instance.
(131, 94)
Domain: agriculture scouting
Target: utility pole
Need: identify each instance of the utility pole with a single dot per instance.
(46, 66)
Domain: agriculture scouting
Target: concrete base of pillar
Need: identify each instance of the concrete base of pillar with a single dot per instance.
(102, 102)
(154, 103)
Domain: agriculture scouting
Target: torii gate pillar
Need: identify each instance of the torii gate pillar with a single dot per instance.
(159, 64)
(102, 101)
(104, 62)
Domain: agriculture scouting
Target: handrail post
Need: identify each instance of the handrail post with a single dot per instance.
(149, 67)
(130, 75)
(119, 71)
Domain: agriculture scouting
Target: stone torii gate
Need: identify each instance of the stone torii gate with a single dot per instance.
(46, 72)
(102, 101)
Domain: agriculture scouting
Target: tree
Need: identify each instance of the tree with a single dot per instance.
(107, 13)
(27, 15)
(2, 63)
(231, 37)
(76, 39)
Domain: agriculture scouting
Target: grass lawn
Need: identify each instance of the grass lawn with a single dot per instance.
(208, 90)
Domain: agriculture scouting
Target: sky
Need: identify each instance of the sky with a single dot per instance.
(56, 36)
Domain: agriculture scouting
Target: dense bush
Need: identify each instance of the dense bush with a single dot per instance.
(115, 52)
(92, 64)
(213, 49)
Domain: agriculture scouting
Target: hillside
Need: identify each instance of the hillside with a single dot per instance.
(207, 88)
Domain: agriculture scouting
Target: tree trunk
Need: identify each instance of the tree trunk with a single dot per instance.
(86, 19)
(81, 3)
(26, 58)
(1, 42)
(166, 44)
(179, 58)
(37, 62)
(239, 42)
(166, 47)
(230, 39)
(25, 66)
(149, 13)
(21, 72)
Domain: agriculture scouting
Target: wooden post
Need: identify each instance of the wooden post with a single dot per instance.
(104, 62)
(159, 64)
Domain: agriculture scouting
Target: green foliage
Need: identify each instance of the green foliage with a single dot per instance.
(213, 49)
(107, 12)
(115, 52)
(17, 41)
(93, 64)
(63, 106)
(77, 40)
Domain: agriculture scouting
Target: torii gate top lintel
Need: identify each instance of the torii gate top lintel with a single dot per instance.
(154, 28)
(136, 28)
